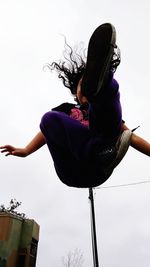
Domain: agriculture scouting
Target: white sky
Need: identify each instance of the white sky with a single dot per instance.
(30, 36)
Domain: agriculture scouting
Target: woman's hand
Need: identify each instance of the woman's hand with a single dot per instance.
(10, 150)
(37, 142)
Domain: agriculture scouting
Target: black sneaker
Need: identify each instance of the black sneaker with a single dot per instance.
(100, 52)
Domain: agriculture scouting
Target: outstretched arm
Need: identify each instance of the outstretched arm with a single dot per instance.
(37, 142)
(138, 143)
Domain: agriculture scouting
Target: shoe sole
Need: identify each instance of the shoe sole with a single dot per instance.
(96, 70)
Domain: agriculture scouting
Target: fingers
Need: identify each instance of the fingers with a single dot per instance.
(4, 150)
(1, 147)
(8, 154)
(7, 148)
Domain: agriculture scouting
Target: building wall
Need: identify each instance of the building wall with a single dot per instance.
(10, 231)
(18, 241)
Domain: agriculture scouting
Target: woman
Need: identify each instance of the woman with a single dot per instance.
(82, 137)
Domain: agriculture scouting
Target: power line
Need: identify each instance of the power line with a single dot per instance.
(123, 185)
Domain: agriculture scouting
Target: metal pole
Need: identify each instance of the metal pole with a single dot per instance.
(93, 229)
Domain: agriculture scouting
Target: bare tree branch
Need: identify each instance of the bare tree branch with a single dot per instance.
(73, 259)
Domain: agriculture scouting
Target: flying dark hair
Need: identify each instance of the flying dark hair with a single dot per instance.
(71, 70)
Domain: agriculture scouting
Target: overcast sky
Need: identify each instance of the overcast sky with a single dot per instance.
(30, 36)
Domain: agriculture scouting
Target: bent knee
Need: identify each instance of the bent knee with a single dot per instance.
(49, 118)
